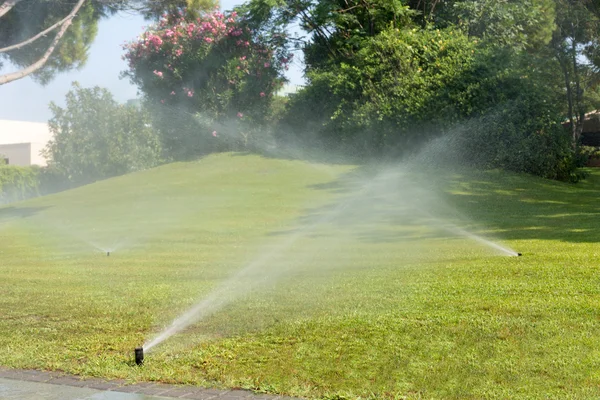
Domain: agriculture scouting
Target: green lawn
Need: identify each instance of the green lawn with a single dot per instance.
(353, 281)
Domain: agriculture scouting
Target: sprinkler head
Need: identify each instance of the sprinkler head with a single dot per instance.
(139, 355)
(519, 254)
(108, 254)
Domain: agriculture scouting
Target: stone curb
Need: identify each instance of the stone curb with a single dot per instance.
(147, 388)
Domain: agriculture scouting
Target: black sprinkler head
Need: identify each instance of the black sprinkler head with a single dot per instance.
(519, 254)
(139, 355)
(108, 254)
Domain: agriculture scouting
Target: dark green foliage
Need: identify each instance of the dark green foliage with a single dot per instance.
(523, 24)
(518, 137)
(403, 87)
(378, 85)
(18, 183)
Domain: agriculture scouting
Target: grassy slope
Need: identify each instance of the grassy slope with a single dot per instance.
(372, 304)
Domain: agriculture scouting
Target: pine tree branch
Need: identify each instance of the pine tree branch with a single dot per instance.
(7, 5)
(40, 63)
(36, 37)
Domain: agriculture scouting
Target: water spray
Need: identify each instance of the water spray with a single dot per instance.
(139, 355)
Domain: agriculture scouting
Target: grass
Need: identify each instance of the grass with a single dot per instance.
(368, 299)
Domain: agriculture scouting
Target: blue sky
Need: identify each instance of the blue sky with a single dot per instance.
(26, 100)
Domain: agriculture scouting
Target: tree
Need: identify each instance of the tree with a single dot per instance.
(576, 47)
(46, 37)
(214, 72)
(21, 20)
(523, 24)
(97, 138)
(401, 88)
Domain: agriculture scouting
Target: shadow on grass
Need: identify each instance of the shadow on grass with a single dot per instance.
(12, 213)
(524, 207)
(506, 205)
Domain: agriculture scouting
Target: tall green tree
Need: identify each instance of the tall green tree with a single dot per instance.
(576, 47)
(95, 138)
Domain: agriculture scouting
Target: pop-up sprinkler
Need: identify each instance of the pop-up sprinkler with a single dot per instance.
(108, 254)
(519, 254)
(139, 355)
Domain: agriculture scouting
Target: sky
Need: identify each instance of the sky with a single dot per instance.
(26, 100)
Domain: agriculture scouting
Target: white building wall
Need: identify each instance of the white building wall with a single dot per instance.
(17, 154)
(35, 154)
(22, 141)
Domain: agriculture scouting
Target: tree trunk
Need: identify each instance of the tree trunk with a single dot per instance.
(569, 90)
(578, 90)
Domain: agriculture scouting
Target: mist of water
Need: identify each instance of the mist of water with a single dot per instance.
(392, 193)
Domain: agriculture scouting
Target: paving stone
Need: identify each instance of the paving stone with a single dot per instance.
(22, 390)
(146, 388)
(201, 395)
(178, 392)
(152, 390)
(228, 397)
(92, 381)
(216, 392)
(145, 384)
(67, 380)
(127, 389)
(38, 378)
(32, 372)
(14, 374)
(103, 385)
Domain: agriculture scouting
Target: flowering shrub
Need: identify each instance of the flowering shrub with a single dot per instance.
(214, 66)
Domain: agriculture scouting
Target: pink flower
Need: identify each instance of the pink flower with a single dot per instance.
(163, 101)
(190, 93)
(242, 58)
(208, 40)
(267, 65)
(173, 93)
(158, 73)
(240, 115)
(214, 133)
(262, 94)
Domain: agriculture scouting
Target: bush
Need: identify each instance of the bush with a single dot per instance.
(97, 138)
(520, 136)
(210, 81)
(18, 183)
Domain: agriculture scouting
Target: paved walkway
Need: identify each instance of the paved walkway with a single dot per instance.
(40, 385)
